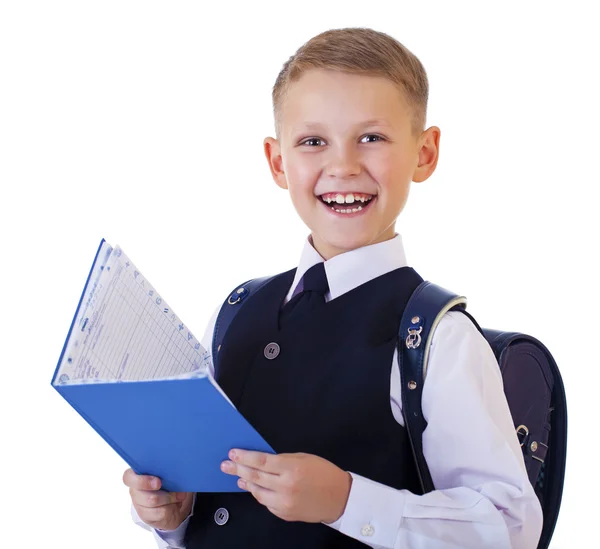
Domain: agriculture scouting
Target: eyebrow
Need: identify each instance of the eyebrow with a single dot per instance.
(364, 124)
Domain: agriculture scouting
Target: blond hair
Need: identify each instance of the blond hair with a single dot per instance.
(358, 51)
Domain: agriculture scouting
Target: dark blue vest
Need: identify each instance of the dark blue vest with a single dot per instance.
(327, 393)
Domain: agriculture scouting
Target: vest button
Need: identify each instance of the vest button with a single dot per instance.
(221, 516)
(272, 351)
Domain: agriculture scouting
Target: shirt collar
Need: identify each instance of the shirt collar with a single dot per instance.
(351, 269)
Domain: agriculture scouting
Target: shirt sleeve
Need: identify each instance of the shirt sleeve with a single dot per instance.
(483, 497)
(208, 337)
(165, 539)
(173, 539)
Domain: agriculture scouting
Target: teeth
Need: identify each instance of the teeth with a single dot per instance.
(349, 198)
(345, 211)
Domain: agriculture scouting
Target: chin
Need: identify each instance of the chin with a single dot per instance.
(342, 244)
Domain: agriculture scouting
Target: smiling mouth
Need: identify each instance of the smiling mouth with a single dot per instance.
(347, 203)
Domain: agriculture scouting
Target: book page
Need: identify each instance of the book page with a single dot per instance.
(125, 331)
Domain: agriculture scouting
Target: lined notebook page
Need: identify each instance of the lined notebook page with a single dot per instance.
(124, 329)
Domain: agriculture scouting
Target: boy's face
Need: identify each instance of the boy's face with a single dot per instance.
(347, 154)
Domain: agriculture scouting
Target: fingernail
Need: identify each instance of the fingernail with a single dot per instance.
(226, 465)
(154, 483)
(242, 483)
(232, 455)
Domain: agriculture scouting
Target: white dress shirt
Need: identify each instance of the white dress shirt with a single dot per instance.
(483, 497)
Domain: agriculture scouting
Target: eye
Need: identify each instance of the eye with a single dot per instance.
(372, 138)
(312, 141)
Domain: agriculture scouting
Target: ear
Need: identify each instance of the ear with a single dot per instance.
(273, 153)
(428, 154)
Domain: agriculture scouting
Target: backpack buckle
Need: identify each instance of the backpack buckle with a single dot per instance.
(237, 296)
(414, 333)
(522, 434)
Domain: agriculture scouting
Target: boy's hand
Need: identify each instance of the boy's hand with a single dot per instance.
(157, 508)
(294, 487)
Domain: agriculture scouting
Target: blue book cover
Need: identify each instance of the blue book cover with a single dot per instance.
(134, 371)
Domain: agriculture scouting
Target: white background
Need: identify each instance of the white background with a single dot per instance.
(142, 122)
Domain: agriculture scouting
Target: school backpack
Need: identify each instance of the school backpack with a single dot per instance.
(532, 384)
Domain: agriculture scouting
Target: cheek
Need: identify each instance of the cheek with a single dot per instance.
(302, 198)
(302, 176)
(304, 173)
(393, 174)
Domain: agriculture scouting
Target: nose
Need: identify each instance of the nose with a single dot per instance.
(343, 162)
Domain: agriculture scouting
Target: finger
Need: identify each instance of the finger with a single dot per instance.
(255, 476)
(264, 496)
(155, 515)
(257, 460)
(160, 498)
(140, 482)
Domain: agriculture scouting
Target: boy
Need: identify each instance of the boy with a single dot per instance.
(311, 359)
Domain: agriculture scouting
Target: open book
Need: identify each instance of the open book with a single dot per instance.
(136, 373)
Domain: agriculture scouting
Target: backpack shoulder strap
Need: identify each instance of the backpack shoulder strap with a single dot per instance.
(423, 312)
(230, 308)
